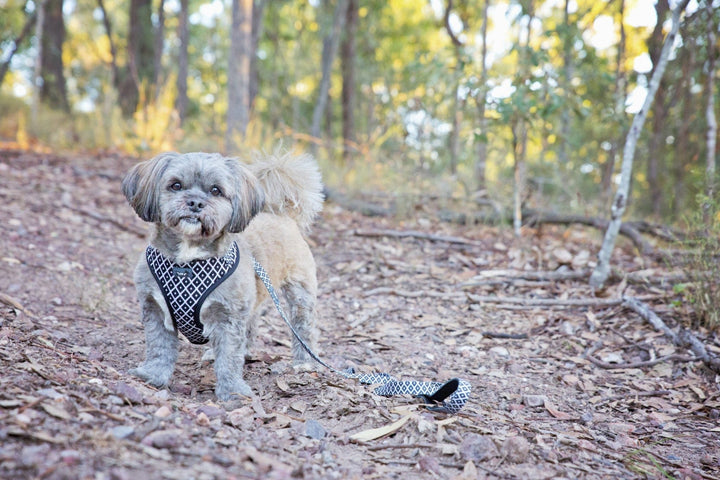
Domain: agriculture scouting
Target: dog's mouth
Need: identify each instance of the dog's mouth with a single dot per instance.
(190, 219)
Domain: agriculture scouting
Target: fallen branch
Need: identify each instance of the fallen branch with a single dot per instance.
(105, 219)
(416, 234)
(648, 363)
(405, 293)
(683, 338)
(511, 336)
(654, 393)
(545, 302)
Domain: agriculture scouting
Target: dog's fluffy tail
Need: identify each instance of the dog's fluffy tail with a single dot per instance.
(292, 185)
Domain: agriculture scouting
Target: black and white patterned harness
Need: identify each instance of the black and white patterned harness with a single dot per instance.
(186, 286)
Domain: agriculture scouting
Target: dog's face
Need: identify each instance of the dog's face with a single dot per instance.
(197, 195)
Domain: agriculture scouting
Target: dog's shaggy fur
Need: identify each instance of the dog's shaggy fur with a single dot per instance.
(198, 204)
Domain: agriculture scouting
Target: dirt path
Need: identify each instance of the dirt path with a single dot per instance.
(69, 331)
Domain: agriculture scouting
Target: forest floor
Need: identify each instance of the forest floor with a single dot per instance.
(418, 308)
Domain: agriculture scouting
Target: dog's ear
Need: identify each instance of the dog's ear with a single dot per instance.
(248, 199)
(142, 186)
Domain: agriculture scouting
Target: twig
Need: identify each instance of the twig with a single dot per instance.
(570, 302)
(683, 338)
(648, 363)
(415, 234)
(405, 293)
(654, 393)
(105, 219)
(512, 336)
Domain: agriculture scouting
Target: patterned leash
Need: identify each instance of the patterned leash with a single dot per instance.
(448, 397)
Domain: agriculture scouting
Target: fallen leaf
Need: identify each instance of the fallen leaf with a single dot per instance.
(375, 433)
(56, 411)
(555, 412)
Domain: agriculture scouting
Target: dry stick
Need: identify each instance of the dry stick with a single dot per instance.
(538, 302)
(683, 338)
(405, 293)
(654, 393)
(415, 234)
(648, 363)
(105, 219)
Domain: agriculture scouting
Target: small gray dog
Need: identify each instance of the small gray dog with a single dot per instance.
(211, 217)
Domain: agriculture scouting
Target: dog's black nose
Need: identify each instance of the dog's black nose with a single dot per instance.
(195, 204)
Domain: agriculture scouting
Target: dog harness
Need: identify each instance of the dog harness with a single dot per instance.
(186, 286)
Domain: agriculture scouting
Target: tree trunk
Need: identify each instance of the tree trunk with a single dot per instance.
(54, 90)
(330, 47)
(682, 148)
(137, 78)
(181, 101)
(159, 47)
(37, 80)
(568, 72)
(620, 97)
(602, 270)
(654, 157)
(258, 13)
(710, 206)
(29, 22)
(347, 57)
(238, 114)
(481, 100)
(111, 42)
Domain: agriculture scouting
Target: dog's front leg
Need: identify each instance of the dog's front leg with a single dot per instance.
(228, 337)
(161, 346)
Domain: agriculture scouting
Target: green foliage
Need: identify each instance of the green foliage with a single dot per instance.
(411, 83)
(702, 262)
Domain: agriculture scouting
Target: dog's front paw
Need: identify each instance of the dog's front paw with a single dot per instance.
(153, 376)
(228, 391)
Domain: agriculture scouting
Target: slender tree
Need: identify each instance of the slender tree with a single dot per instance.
(348, 60)
(238, 113)
(711, 120)
(181, 101)
(53, 91)
(481, 102)
(602, 270)
(329, 51)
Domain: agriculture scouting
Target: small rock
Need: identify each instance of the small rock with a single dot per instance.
(515, 449)
(163, 412)
(478, 448)
(313, 429)
(122, 431)
(202, 420)
(500, 351)
(534, 400)
(70, 457)
(95, 355)
(211, 411)
(163, 438)
(128, 392)
(427, 463)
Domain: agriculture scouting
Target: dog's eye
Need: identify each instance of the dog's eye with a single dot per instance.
(177, 186)
(215, 191)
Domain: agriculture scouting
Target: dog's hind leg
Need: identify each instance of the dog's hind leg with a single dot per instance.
(302, 317)
(161, 347)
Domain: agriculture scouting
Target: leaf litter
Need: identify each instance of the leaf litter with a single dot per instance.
(404, 304)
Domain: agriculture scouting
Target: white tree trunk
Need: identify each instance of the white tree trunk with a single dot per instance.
(602, 270)
(711, 124)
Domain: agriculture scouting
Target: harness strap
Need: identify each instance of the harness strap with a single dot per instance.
(449, 397)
